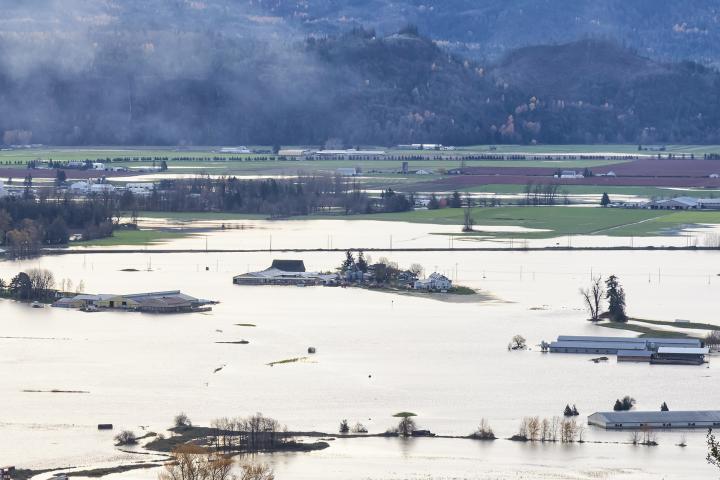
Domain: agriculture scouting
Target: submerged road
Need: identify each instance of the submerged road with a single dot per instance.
(60, 251)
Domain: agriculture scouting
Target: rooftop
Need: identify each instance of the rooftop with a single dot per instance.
(660, 417)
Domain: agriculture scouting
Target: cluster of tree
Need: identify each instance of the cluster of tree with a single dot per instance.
(194, 462)
(28, 224)
(612, 292)
(542, 194)
(570, 412)
(383, 272)
(517, 342)
(35, 284)
(452, 201)
(248, 434)
(624, 404)
(484, 431)
(357, 428)
(534, 429)
(303, 195)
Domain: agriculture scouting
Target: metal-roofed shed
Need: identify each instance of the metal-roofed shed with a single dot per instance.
(659, 419)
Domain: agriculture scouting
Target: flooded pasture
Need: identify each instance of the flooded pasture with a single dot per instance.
(377, 353)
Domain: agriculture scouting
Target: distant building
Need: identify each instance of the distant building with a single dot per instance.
(101, 188)
(405, 168)
(435, 281)
(676, 351)
(140, 189)
(7, 473)
(173, 301)
(659, 419)
(350, 154)
(680, 356)
(569, 174)
(81, 188)
(240, 149)
(98, 166)
(685, 203)
(347, 171)
(286, 272)
(424, 172)
(293, 152)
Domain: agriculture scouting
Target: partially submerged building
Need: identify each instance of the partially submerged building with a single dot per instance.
(173, 301)
(286, 272)
(660, 419)
(679, 351)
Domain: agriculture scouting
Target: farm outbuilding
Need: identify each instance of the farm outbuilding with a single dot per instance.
(659, 419)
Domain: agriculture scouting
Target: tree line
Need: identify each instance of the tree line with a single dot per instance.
(304, 195)
(28, 224)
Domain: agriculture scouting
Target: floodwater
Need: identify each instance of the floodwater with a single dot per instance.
(377, 354)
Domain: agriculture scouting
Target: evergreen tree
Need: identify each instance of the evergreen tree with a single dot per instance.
(618, 407)
(616, 299)
(605, 200)
(348, 262)
(568, 411)
(455, 200)
(362, 263)
(434, 203)
(344, 427)
(575, 411)
(664, 407)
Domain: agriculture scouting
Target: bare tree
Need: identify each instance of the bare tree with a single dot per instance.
(192, 462)
(181, 420)
(43, 281)
(545, 430)
(533, 429)
(406, 426)
(257, 472)
(712, 339)
(634, 437)
(593, 297)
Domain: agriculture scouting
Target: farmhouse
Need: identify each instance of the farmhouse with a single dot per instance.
(435, 281)
(569, 174)
(286, 272)
(634, 420)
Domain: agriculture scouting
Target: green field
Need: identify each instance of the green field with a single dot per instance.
(133, 237)
(559, 221)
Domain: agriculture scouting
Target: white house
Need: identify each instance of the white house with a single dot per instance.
(435, 281)
(98, 166)
(715, 175)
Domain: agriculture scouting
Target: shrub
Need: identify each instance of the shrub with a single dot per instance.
(126, 437)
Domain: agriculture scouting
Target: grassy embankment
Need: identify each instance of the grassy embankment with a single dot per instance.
(133, 237)
(639, 325)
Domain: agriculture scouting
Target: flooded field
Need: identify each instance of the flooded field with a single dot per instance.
(377, 354)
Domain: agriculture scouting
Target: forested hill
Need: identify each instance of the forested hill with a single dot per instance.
(207, 87)
(671, 30)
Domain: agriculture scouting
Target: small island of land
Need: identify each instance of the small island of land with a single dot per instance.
(360, 272)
